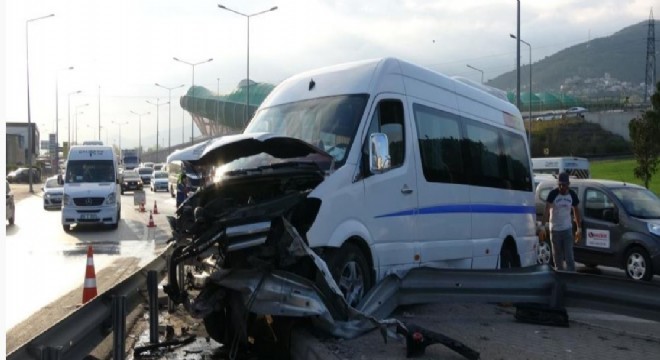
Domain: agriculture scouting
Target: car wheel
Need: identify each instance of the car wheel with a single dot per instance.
(11, 219)
(544, 254)
(351, 271)
(638, 264)
(66, 227)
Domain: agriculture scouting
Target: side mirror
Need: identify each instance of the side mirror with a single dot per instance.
(379, 153)
(60, 181)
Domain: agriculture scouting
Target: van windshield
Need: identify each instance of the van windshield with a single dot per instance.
(329, 123)
(80, 171)
(640, 203)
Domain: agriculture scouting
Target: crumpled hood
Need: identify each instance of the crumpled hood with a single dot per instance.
(233, 147)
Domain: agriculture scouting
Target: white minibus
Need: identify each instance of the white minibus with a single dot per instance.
(456, 191)
(91, 188)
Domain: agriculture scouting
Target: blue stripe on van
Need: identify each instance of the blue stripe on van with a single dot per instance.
(465, 208)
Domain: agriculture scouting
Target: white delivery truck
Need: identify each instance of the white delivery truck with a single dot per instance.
(91, 189)
(575, 166)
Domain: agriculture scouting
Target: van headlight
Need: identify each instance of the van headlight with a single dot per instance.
(111, 199)
(654, 228)
(66, 199)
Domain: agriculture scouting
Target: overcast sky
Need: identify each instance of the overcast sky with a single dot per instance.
(125, 46)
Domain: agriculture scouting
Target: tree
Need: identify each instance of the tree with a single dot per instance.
(645, 136)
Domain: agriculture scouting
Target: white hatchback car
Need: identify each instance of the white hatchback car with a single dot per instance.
(159, 181)
(53, 193)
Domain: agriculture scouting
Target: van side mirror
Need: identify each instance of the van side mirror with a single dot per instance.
(60, 180)
(611, 215)
(379, 153)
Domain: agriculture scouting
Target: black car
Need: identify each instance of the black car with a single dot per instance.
(21, 175)
(130, 181)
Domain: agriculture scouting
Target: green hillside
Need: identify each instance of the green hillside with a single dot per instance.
(575, 137)
(622, 55)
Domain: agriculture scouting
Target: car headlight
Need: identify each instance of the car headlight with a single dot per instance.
(111, 199)
(654, 228)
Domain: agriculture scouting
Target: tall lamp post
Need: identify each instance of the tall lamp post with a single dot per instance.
(169, 121)
(30, 146)
(57, 118)
(247, 101)
(479, 70)
(119, 124)
(529, 137)
(192, 123)
(157, 104)
(140, 131)
(75, 123)
(69, 115)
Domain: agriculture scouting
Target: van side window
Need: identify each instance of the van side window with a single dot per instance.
(516, 162)
(596, 204)
(388, 119)
(439, 138)
(485, 156)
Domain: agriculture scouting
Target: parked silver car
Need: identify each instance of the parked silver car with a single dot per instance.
(620, 226)
(53, 193)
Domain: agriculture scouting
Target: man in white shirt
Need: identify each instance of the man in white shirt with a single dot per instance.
(559, 204)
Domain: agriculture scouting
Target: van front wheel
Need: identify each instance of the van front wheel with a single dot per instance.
(350, 269)
(638, 264)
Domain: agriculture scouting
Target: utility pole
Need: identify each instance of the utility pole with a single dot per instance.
(649, 85)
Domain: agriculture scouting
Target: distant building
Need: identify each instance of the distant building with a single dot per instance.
(17, 142)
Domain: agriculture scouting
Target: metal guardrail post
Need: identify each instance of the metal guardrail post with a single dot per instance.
(118, 327)
(170, 304)
(51, 353)
(152, 287)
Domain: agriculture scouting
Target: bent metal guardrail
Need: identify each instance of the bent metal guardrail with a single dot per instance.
(75, 336)
(539, 284)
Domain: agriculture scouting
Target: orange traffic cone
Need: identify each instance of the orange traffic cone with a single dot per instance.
(151, 221)
(142, 209)
(89, 290)
(155, 208)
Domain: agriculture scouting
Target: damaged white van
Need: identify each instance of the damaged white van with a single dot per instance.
(376, 168)
(91, 189)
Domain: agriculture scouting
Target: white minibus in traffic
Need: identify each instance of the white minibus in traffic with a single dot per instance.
(91, 190)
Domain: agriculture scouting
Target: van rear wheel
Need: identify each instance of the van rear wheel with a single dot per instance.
(509, 259)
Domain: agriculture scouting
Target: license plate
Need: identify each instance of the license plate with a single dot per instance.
(88, 217)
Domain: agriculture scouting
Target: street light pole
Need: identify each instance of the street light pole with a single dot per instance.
(529, 106)
(140, 131)
(192, 123)
(119, 124)
(247, 101)
(157, 103)
(30, 139)
(75, 124)
(169, 95)
(69, 115)
(479, 70)
(57, 119)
